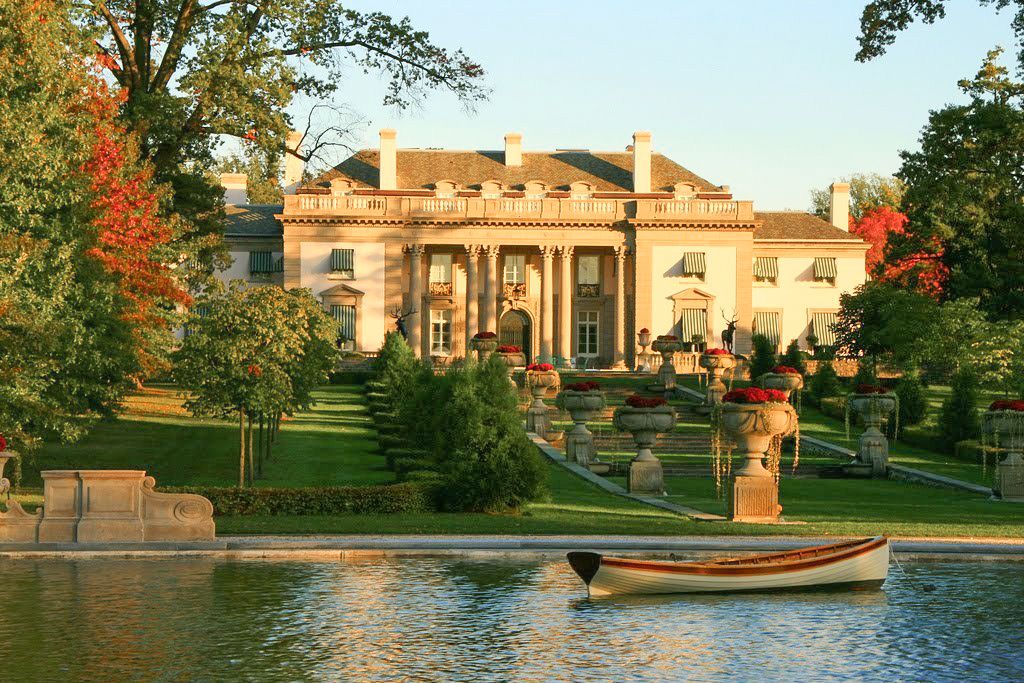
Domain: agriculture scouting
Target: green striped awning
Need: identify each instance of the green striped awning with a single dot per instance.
(202, 310)
(823, 325)
(767, 323)
(342, 260)
(346, 317)
(766, 268)
(279, 265)
(825, 268)
(261, 262)
(694, 263)
(693, 321)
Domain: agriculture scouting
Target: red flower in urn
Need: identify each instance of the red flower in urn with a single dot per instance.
(717, 352)
(509, 348)
(637, 401)
(870, 389)
(3, 444)
(583, 386)
(484, 335)
(785, 370)
(1002, 404)
(540, 367)
(755, 395)
(644, 330)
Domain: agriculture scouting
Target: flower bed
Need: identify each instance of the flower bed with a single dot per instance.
(637, 401)
(755, 395)
(785, 370)
(509, 348)
(540, 367)
(484, 335)
(1002, 404)
(582, 386)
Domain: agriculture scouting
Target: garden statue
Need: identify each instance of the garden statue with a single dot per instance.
(874, 404)
(756, 420)
(643, 339)
(1004, 426)
(400, 321)
(667, 345)
(716, 362)
(581, 400)
(729, 333)
(539, 378)
(645, 418)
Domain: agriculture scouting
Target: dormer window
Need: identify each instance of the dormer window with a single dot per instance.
(445, 189)
(684, 190)
(491, 189)
(535, 189)
(581, 190)
(341, 186)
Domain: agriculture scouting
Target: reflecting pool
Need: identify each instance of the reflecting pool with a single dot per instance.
(459, 620)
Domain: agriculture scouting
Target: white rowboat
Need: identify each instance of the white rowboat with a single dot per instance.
(857, 565)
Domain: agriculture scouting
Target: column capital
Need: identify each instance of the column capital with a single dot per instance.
(548, 252)
(566, 251)
(492, 251)
(414, 249)
(622, 251)
(473, 249)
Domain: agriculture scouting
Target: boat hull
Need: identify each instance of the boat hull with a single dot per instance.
(863, 566)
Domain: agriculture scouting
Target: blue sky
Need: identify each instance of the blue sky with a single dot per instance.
(762, 96)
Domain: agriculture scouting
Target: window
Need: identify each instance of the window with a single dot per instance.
(440, 332)
(823, 326)
(694, 264)
(825, 269)
(588, 276)
(766, 323)
(440, 275)
(262, 263)
(766, 269)
(693, 322)
(514, 276)
(586, 333)
(343, 263)
(346, 317)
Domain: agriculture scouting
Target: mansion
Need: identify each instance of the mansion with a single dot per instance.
(566, 253)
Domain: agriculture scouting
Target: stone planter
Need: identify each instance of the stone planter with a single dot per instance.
(716, 364)
(755, 493)
(483, 347)
(667, 373)
(581, 405)
(643, 341)
(537, 419)
(512, 361)
(645, 471)
(783, 381)
(1005, 428)
(873, 447)
(5, 484)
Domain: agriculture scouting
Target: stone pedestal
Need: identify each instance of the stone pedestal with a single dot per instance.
(579, 445)
(667, 373)
(754, 499)
(1011, 478)
(873, 447)
(645, 472)
(755, 492)
(537, 419)
(646, 477)
(716, 365)
(581, 405)
(62, 507)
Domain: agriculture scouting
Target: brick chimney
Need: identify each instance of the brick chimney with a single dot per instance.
(293, 166)
(839, 205)
(513, 149)
(388, 159)
(236, 188)
(641, 161)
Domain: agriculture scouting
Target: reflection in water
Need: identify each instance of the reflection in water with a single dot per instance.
(444, 619)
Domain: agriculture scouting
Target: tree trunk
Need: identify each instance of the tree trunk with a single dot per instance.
(241, 448)
(252, 472)
(262, 449)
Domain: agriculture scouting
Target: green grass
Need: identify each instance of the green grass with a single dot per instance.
(331, 444)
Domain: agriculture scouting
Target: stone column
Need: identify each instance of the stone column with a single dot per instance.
(618, 343)
(472, 294)
(565, 304)
(491, 282)
(414, 322)
(547, 304)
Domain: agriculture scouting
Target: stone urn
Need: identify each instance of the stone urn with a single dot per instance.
(5, 484)
(645, 423)
(716, 364)
(1005, 428)
(512, 359)
(484, 345)
(787, 382)
(643, 340)
(873, 408)
(581, 404)
(667, 346)
(752, 426)
(539, 378)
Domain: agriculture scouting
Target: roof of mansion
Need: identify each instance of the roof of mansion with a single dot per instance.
(421, 168)
(252, 220)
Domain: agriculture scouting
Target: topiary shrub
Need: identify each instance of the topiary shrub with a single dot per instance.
(824, 383)
(959, 419)
(794, 357)
(762, 359)
(326, 500)
(913, 402)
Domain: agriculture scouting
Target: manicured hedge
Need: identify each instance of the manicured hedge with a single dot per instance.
(327, 500)
(834, 406)
(393, 455)
(351, 377)
(971, 450)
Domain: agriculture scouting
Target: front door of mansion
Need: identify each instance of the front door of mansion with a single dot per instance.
(514, 330)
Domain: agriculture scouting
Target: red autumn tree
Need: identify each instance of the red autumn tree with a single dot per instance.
(874, 227)
(922, 270)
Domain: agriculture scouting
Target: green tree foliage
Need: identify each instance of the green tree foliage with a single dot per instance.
(191, 70)
(965, 197)
(824, 382)
(959, 419)
(763, 358)
(882, 20)
(884, 323)
(254, 352)
(867, 191)
(794, 357)
(913, 401)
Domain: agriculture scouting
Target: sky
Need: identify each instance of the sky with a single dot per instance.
(762, 96)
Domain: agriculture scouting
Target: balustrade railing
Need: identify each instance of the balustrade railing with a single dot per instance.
(588, 291)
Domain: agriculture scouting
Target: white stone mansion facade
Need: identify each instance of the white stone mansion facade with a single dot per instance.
(567, 253)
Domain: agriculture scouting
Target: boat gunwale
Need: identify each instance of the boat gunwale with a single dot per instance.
(850, 552)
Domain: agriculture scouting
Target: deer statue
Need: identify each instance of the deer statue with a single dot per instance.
(400, 317)
(729, 333)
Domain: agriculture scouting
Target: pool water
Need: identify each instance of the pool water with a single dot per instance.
(429, 619)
